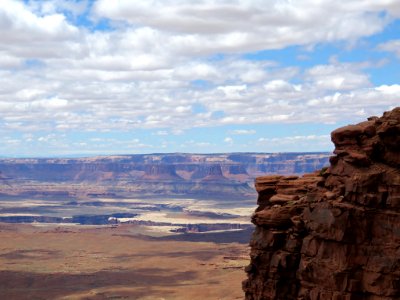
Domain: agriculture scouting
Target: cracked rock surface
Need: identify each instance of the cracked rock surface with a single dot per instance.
(333, 234)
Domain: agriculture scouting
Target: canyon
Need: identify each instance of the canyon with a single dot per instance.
(334, 233)
(155, 226)
(188, 193)
(213, 175)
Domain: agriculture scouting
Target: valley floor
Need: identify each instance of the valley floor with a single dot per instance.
(109, 262)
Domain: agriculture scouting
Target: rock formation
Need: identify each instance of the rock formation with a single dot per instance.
(333, 234)
(160, 172)
(223, 175)
(214, 173)
(192, 166)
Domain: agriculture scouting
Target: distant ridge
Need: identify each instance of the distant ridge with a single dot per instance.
(161, 174)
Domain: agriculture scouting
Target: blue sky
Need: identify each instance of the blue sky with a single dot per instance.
(121, 77)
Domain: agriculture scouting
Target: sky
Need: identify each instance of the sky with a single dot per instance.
(81, 78)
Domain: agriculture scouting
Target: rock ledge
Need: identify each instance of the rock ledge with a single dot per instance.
(334, 234)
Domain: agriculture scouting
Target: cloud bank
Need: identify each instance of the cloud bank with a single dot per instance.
(174, 66)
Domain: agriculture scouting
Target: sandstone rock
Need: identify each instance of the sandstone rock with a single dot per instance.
(214, 173)
(282, 199)
(158, 171)
(276, 217)
(333, 234)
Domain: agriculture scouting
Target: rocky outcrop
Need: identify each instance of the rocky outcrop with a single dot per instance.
(236, 170)
(160, 172)
(214, 173)
(333, 234)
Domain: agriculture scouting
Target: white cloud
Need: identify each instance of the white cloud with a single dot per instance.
(228, 140)
(75, 8)
(202, 144)
(21, 26)
(11, 141)
(177, 131)
(289, 139)
(196, 71)
(142, 73)
(279, 86)
(50, 104)
(337, 77)
(161, 133)
(391, 46)
(47, 138)
(8, 61)
(87, 105)
(392, 90)
(290, 143)
(243, 132)
(218, 26)
(233, 91)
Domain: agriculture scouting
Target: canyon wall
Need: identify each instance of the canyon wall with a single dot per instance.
(161, 166)
(224, 175)
(333, 234)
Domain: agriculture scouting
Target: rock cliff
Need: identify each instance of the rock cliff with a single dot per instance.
(224, 175)
(161, 172)
(333, 234)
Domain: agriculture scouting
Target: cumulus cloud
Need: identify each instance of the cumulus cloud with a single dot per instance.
(339, 77)
(25, 34)
(391, 46)
(243, 131)
(228, 140)
(91, 104)
(248, 25)
(175, 65)
(72, 7)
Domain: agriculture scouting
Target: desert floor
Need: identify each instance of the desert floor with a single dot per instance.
(103, 262)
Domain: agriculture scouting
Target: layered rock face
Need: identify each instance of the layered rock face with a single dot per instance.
(188, 166)
(224, 175)
(160, 172)
(334, 234)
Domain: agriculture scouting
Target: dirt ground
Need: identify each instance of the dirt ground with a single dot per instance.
(78, 262)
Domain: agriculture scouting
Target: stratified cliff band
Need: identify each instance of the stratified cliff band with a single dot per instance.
(334, 234)
(214, 176)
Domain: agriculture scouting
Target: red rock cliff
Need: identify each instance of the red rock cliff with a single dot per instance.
(334, 234)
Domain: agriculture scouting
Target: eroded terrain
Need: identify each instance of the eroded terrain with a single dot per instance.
(171, 226)
(113, 262)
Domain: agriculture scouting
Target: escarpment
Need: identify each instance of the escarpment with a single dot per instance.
(333, 234)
